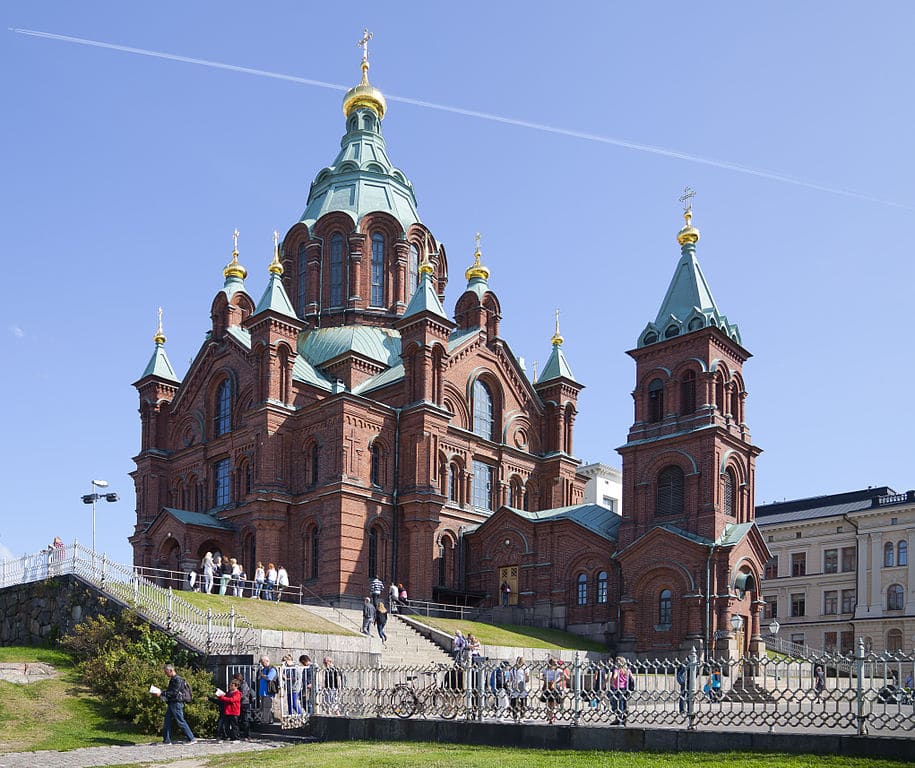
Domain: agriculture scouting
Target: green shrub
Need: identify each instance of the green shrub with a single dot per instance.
(120, 658)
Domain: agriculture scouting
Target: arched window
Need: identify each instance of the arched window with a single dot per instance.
(315, 549)
(412, 271)
(453, 482)
(222, 492)
(222, 416)
(665, 608)
(735, 404)
(895, 597)
(655, 400)
(482, 410)
(602, 588)
(688, 393)
(336, 270)
(888, 555)
(516, 498)
(377, 298)
(373, 553)
(903, 553)
(303, 278)
(442, 564)
(670, 491)
(582, 589)
(730, 493)
(719, 393)
(894, 640)
(375, 474)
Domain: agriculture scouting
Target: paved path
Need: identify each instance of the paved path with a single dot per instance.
(177, 755)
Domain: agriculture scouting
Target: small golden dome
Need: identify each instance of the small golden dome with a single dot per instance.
(159, 336)
(557, 339)
(276, 268)
(364, 96)
(233, 268)
(426, 267)
(689, 234)
(477, 269)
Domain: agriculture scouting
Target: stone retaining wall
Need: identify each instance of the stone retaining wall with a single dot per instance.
(42, 612)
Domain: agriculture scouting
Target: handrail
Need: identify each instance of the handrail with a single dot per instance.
(204, 630)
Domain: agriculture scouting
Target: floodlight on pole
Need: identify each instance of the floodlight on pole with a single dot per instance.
(91, 498)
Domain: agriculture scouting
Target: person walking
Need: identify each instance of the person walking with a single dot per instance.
(292, 682)
(208, 570)
(246, 705)
(682, 684)
(458, 646)
(368, 616)
(282, 581)
(518, 682)
(259, 576)
(550, 688)
(620, 685)
(307, 675)
(381, 619)
(231, 703)
(225, 575)
(819, 680)
(270, 583)
(331, 683)
(393, 597)
(175, 696)
(236, 577)
(376, 587)
(506, 591)
(268, 685)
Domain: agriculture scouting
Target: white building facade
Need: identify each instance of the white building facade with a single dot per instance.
(604, 486)
(840, 570)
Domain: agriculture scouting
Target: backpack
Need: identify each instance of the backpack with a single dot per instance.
(184, 692)
(631, 684)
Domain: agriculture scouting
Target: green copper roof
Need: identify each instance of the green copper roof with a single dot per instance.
(323, 344)
(557, 367)
(688, 305)
(160, 366)
(304, 371)
(233, 285)
(594, 517)
(479, 286)
(425, 299)
(200, 519)
(275, 298)
(383, 379)
(362, 178)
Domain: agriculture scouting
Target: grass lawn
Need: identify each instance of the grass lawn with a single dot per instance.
(403, 755)
(262, 614)
(56, 714)
(514, 635)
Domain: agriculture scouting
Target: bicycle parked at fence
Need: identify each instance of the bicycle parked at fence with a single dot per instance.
(409, 699)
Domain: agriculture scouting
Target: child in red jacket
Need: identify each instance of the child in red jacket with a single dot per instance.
(231, 703)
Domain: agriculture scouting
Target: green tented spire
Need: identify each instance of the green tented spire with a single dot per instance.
(425, 299)
(159, 364)
(275, 298)
(557, 367)
(688, 304)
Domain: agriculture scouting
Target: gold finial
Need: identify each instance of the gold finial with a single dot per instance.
(426, 267)
(276, 268)
(477, 269)
(233, 268)
(364, 95)
(557, 337)
(159, 337)
(689, 234)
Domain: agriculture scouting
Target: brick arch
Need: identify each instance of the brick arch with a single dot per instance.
(658, 372)
(647, 592)
(457, 404)
(677, 456)
(496, 391)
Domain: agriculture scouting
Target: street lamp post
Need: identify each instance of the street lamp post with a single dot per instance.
(91, 498)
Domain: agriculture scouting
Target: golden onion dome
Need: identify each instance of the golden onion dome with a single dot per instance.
(364, 96)
(689, 234)
(233, 268)
(557, 339)
(477, 269)
(426, 267)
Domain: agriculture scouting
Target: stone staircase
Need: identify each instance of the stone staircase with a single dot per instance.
(405, 645)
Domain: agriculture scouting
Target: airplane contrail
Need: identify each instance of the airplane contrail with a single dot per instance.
(570, 132)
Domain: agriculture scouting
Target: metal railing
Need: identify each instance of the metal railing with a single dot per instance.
(772, 694)
(203, 630)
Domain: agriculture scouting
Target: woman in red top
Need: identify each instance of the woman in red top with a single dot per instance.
(231, 702)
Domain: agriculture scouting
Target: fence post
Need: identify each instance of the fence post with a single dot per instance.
(209, 629)
(168, 611)
(232, 628)
(136, 591)
(576, 688)
(859, 696)
(691, 677)
(104, 563)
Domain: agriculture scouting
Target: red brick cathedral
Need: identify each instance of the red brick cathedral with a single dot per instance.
(343, 426)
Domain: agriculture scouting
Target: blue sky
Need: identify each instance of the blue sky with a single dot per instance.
(124, 176)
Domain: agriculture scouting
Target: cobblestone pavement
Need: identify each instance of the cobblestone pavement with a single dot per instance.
(178, 754)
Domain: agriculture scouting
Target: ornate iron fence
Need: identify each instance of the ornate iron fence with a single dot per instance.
(204, 630)
(861, 694)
